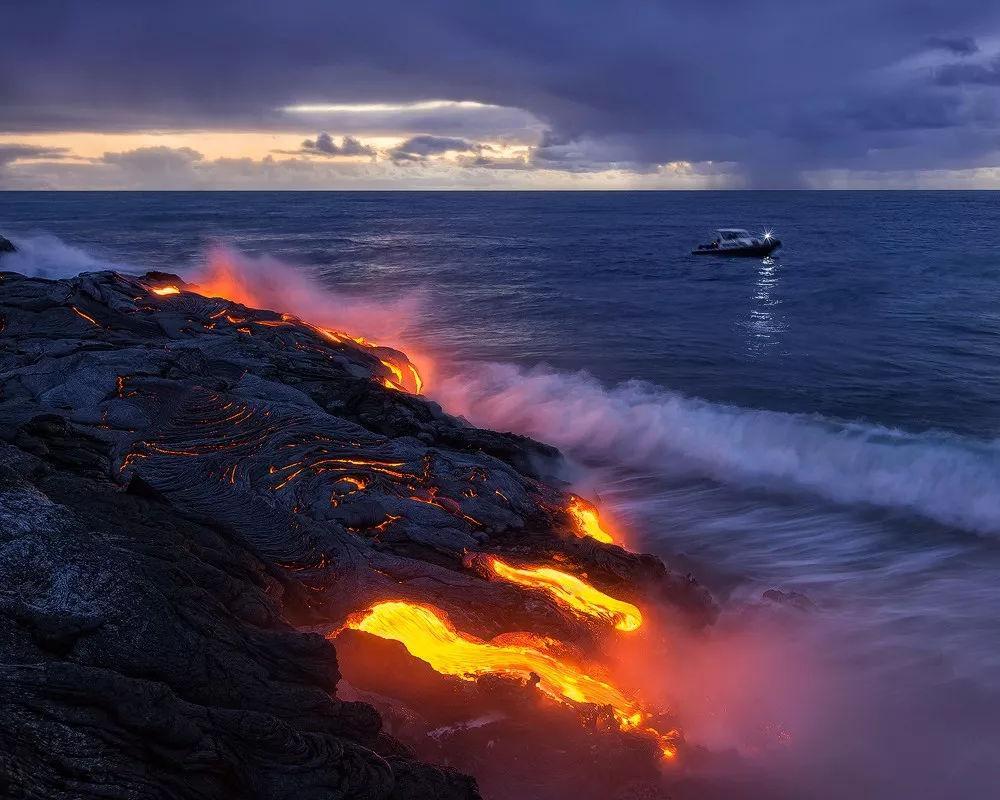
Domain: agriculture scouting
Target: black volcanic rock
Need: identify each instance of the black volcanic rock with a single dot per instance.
(6, 246)
(189, 486)
(144, 655)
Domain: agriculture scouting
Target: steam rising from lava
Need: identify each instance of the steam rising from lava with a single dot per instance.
(264, 282)
(271, 284)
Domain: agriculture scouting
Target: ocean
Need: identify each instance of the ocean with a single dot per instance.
(825, 422)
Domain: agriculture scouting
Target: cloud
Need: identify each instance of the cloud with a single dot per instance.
(184, 168)
(786, 88)
(910, 111)
(418, 148)
(956, 45)
(155, 159)
(325, 145)
(983, 74)
(154, 167)
(10, 153)
(15, 155)
(494, 162)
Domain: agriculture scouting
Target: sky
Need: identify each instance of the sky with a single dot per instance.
(553, 94)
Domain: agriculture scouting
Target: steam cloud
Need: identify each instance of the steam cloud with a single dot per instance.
(269, 283)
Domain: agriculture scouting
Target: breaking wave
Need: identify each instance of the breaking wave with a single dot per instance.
(947, 478)
(46, 256)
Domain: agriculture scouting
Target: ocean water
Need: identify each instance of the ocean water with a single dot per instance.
(826, 423)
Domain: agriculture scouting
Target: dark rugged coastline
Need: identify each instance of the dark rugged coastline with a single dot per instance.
(193, 493)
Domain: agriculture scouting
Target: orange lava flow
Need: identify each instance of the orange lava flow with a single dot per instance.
(588, 523)
(406, 381)
(428, 635)
(395, 370)
(579, 595)
(162, 290)
(417, 380)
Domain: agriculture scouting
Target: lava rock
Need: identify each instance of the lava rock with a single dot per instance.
(191, 492)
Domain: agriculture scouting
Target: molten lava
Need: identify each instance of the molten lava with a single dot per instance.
(428, 635)
(394, 369)
(580, 596)
(587, 521)
(417, 380)
(162, 290)
(87, 317)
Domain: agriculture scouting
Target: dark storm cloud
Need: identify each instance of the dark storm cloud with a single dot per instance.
(325, 145)
(956, 45)
(779, 87)
(910, 111)
(987, 74)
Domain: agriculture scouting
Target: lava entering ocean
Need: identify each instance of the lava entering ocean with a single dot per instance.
(588, 522)
(428, 635)
(426, 631)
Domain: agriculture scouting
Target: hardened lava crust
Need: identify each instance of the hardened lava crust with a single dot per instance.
(195, 496)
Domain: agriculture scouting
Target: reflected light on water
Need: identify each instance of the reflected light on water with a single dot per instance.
(764, 325)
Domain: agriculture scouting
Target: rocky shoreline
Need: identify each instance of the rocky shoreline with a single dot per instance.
(194, 498)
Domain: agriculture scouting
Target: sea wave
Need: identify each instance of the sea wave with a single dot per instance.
(46, 256)
(947, 478)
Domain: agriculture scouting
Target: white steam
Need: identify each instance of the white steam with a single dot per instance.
(265, 282)
(260, 281)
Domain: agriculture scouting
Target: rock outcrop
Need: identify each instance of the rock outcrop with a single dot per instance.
(193, 495)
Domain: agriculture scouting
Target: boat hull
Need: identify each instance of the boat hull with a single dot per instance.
(751, 251)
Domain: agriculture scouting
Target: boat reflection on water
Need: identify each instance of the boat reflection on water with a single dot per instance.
(764, 324)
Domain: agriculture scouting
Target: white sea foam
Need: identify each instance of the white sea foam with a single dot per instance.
(46, 256)
(947, 478)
